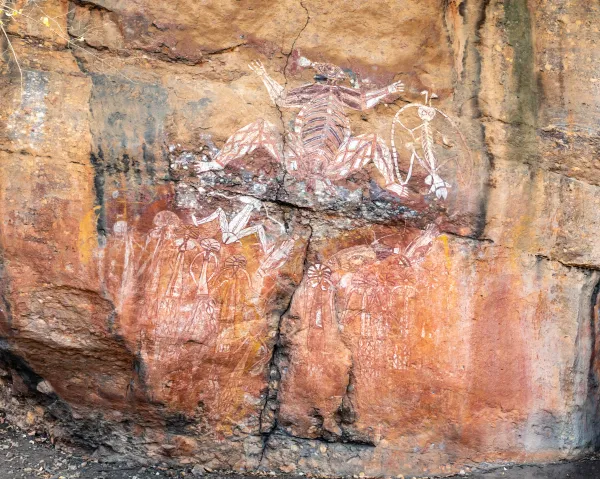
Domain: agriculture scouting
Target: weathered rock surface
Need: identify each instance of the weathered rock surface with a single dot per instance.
(293, 311)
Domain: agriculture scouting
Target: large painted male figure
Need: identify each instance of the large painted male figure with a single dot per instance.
(321, 147)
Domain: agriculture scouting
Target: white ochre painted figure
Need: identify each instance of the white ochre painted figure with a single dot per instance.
(422, 146)
(321, 147)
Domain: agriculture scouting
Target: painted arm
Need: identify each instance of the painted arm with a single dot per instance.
(276, 91)
(366, 100)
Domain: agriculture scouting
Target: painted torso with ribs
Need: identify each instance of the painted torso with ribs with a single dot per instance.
(321, 126)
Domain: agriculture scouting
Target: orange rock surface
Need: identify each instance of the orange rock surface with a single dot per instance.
(313, 265)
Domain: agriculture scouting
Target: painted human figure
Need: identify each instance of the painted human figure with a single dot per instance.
(321, 147)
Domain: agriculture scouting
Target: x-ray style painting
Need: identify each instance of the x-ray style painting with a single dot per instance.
(195, 288)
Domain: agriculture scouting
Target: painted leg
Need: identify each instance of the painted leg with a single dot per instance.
(356, 152)
(293, 152)
(217, 214)
(243, 142)
(260, 231)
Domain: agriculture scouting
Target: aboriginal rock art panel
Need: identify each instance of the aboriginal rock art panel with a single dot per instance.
(194, 292)
(354, 318)
(354, 322)
(366, 288)
(197, 289)
(321, 149)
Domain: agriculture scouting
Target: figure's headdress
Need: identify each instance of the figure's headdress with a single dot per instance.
(325, 71)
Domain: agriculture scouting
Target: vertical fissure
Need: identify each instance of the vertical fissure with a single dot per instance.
(594, 373)
(268, 420)
(476, 18)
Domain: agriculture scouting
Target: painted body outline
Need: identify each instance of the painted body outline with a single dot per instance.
(425, 140)
(321, 146)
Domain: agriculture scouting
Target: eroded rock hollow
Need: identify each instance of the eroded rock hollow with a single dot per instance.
(300, 236)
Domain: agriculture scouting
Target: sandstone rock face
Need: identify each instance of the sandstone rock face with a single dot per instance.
(311, 265)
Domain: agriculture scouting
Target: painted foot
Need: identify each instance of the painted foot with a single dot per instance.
(438, 186)
(204, 166)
